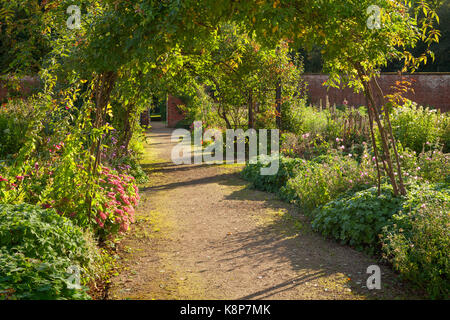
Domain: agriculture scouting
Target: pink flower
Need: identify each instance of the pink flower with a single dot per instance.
(129, 210)
(102, 215)
(99, 222)
(20, 178)
(124, 227)
(125, 199)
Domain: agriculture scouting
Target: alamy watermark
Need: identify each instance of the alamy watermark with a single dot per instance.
(189, 148)
(374, 280)
(374, 20)
(74, 20)
(73, 282)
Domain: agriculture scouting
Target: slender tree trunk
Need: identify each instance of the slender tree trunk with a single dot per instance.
(278, 103)
(374, 144)
(384, 142)
(251, 120)
(376, 115)
(391, 135)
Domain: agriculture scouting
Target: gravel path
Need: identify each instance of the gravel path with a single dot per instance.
(201, 233)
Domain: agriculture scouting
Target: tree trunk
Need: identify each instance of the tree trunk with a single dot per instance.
(391, 135)
(278, 103)
(384, 140)
(251, 120)
(374, 144)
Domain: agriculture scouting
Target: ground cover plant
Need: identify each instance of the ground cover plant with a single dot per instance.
(38, 247)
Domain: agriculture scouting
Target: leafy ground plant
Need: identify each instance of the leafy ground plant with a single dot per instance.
(358, 219)
(39, 251)
(418, 245)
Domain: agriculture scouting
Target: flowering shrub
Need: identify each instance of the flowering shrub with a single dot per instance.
(115, 207)
(62, 182)
(124, 160)
(417, 243)
(414, 126)
(432, 165)
(325, 178)
(314, 182)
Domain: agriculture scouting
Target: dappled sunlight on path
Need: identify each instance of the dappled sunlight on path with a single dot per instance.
(202, 233)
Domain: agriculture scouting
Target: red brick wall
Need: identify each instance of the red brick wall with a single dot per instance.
(174, 114)
(430, 89)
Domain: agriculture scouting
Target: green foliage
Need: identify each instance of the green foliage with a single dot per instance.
(313, 183)
(432, 165)
(417, 242)
(417, 127)
(366, 220)
(22, 43)
(36, 249)
(232, 82)
(319, 129)
(15, 117)
(288, 168)
(325, 178)
(358, 219)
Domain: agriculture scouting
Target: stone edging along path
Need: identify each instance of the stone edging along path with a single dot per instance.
(201, 233)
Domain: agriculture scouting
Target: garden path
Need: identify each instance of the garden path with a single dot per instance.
(201, 233)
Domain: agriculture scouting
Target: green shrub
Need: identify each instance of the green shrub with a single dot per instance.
(313, 183)
(36, 249)
(414, 126)
(432, 165)
(358, 219)
(292, 120)
(15, 117)
(326, 177)
(288, 168)
(418, 243)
